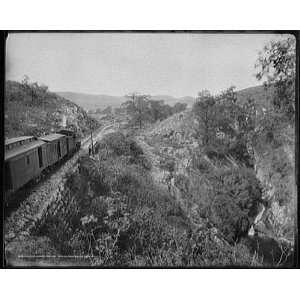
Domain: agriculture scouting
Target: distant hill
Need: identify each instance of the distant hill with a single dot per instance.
(89, 101)
(92, 102)
(260, 95)
(173, 100)
(33, 110)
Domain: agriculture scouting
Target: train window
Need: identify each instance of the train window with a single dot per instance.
(58, 149)
(40, 154)
(27, 159)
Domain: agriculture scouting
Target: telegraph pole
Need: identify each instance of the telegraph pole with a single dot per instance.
(92, 138)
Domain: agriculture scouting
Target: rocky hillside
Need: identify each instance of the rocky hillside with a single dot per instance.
(31, 109)
(274, 169)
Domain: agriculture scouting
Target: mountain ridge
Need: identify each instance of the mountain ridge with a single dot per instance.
(101, 101)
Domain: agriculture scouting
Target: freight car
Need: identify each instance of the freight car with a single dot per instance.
(27, 157)
(72, 141)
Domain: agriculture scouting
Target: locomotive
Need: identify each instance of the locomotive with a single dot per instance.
(27, 157)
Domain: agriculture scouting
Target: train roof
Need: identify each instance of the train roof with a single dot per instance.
(51, 137)
(22, 149)
(66, 132)
(17, 139)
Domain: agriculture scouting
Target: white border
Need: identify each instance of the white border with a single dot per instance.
(154, 15)
(151, 14)
(149, 284)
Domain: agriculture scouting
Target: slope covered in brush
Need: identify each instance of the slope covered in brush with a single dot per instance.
(30, 109)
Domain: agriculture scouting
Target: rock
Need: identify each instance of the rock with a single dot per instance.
(251, 231)
(24, 233)
(10, 236)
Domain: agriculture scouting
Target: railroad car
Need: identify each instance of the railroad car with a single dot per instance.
(23, 162)
(56, 147)
(28, 156)
(18, 141)
(72, 142)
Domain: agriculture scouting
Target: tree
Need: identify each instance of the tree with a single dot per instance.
(277, 67)
(156, 109)
(138, 108)
(178, 107)
(216, 113)
(228, 96)
(33, 92)
(205, 112)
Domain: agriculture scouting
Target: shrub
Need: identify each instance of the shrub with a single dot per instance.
(237, 194)
(95, 174)
(168, 164)
(239, 151)
(200, 163)
(116, 142)
(141, 160)
(280, 164)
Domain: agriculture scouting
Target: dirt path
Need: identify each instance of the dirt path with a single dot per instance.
(157, 173)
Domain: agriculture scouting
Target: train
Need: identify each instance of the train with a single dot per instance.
(27, 157)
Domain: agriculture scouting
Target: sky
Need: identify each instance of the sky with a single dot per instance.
(121, 63)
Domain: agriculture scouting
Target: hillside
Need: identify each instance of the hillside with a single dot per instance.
(258, 93)
(173, 100)
(33, 110)
(92, 102)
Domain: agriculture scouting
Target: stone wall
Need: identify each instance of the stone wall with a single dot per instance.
(63, 206)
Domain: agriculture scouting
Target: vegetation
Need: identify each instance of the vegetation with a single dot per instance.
(277, 63)
(125, 219)
(223, 125)
(142, 109)
(30, 109)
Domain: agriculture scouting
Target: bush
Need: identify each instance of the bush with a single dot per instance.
(118, 144)
(280, 164)
(97, 175)
(115, 142)
(239, 151)
(141, 160)
(168, 164)
(200, 163)
(237, 194)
